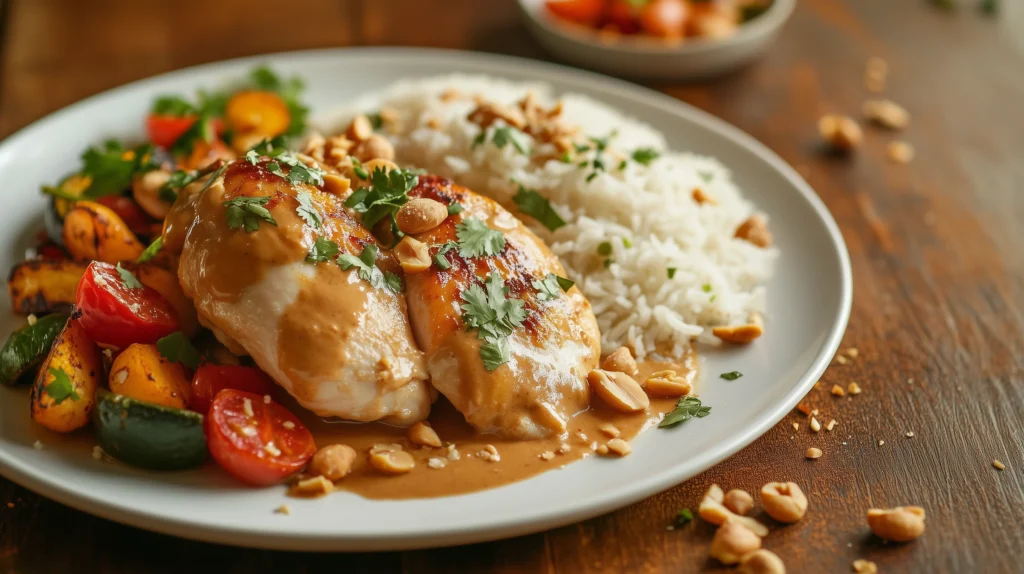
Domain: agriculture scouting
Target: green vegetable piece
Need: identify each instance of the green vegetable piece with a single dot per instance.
(146, 435)
(26, 348)
(538, 207)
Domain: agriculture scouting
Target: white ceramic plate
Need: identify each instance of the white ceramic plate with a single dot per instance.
(640, 57)
(808, 302)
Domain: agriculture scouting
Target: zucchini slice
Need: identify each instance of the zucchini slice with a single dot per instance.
(147, 435)
(26, 348)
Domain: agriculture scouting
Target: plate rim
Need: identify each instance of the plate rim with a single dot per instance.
(23, 474)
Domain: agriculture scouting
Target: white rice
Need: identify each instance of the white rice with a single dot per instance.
(718, 279)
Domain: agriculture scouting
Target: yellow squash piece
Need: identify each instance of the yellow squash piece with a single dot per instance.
(94, 231)
(257, 112)
(64, 391)
(140, 372)
(44, 286)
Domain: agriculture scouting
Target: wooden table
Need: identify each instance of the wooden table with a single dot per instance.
(936, 248)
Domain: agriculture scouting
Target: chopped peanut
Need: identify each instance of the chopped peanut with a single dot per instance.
(841, 133)
(609, 429)
(900, 151)
(420, 215)
(900, 524)
(813, 453)
(999, 465)
(738, 501)
(392, 461)
(761, 562)
(861, 566)
(815, 425)
(618, 390)
(741, 334)
(422, 434)
(316, 486)
(667, 384)
(701, 198)
(755, 230)
(333, 461)
(733, 541)
(784, 501)
(621, 360)
(359, 129)
(619, 447)
(413, 255)
(713, 510)
(887, 113)
(838, 391)
(374, 147)
(853, 389)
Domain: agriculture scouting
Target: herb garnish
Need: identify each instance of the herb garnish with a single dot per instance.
(178, 349)
(151, 250)
(128, 278)
(707, 176)
(440, 259)
(388, 192)
(247, 212)
(671, 272)
(552, 287)
(455, 208)
(172, 105)
(686, 408)
(503, 136)
(178, 180)
(357, 167)
(366, 266)
(323, 250)
(731, 376)
(645, 155)
(307, 211)
(110, 169)
(684, 517)
(476, 239)
(61, 388)
(706, 287)
(538, 207)
(486, 309)
(200, 130)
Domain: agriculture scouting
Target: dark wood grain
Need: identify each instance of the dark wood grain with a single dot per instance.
(935, 244)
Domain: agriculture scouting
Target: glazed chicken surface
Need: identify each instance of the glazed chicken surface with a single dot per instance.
(340, 345)
(543, 383)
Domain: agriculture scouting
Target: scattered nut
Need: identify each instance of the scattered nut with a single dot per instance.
(838, 391)
(887, 113)
(900, 151)
(359, 129)
(804, 408)
(392, 461)
(667, 384)
(853, 389)
(738, 501)
(618, 390)
(796, 426)
(602, 450)
(413, 255)
(713, 510)
(761, 562)
(861, 566)
(383, 164)
(316, 486)
(999, 465)
(619, 447)
(831, 425)
(422, 434)
(486, 113)
(333, 461)
(815, 425)
(741, 334)
(420, 215)
(900, 524)
(374, 147)
(784, 501)
(609, 429)
(701, 198)
(841, 133)
(336, 184)
(622, 361)
(546, 455)
(813, 453)
(732, 541)
(755, 230)
(853, 352)
(450, 95)
(875, 74)
(283, 509)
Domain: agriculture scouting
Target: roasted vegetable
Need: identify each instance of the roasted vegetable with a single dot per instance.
(148, 435)
(258, 112)
(116, 309)
(94, 231)
(44, 286)
(28, 346)
(140, 372)
(64, 390)
(166, 283)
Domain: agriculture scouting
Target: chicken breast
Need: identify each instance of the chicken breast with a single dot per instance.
(338, 340)
(549, 352)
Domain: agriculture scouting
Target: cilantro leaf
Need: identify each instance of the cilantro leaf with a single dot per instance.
(706, 287)
(358, 169)
(110, 169)
(61, 388)
(538, 207)
(178, 180)
(178, 349)
(684, 517)
(201, 130)
(505, 135)
(487, 309)
(440, 258)
(172, 105)
(455, 209)
(645, 155)
(388, 192)
(247, 212)
(307, 211)
(671, 272)
(552, 287)
(151, 250)
(323, 250)
(128, 278)
(731, 376)
(686, 408)
(365, 266)
(477, 239)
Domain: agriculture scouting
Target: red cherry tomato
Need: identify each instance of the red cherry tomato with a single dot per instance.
(212, 379)
(622, 16)
(253, 440)
(580, 11)
(666, 18)
(165, 130)
(137, 220)
(115, 314)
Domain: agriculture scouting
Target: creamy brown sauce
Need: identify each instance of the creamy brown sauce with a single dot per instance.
(470, 473)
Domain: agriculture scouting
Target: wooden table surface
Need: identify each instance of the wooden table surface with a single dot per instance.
(936, 250)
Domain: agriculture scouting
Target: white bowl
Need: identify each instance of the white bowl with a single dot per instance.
(638, 57)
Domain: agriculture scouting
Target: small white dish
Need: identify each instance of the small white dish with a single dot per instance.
(652, 59)
(808, 305)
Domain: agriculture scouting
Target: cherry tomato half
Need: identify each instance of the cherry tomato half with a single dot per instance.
(114, 313)
(212, 379)
(256, 442)
(580, 11)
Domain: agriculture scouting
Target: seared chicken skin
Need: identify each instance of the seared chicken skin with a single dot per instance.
(340, 345)
(543, 383)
